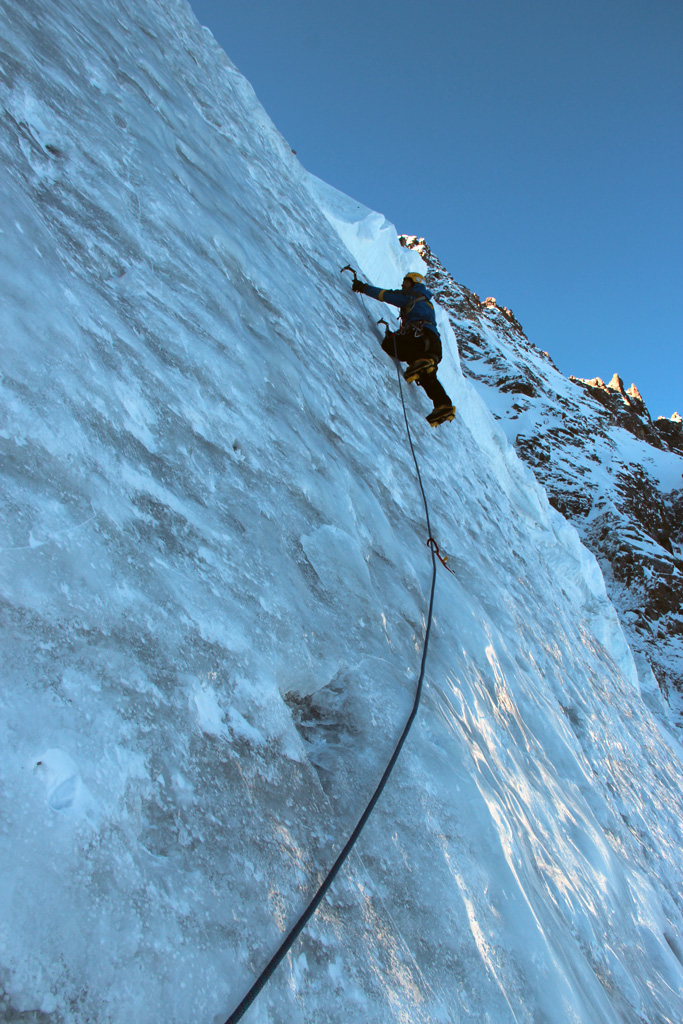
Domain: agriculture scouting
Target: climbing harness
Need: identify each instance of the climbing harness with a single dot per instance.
(413, 302)
(305, 917)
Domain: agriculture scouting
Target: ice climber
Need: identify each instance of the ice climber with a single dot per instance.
(417, 340)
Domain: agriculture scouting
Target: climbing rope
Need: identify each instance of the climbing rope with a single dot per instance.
(310, 910)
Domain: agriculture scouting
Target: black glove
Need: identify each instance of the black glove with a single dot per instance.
(358, 286)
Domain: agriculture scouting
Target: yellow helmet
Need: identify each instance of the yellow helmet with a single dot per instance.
(413, 276)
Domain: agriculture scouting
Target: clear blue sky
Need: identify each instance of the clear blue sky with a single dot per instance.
(536, 145)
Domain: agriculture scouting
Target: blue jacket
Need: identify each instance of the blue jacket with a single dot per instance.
(414, 305)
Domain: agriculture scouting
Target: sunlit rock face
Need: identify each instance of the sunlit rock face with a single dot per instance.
(213, 587)
(615, 473)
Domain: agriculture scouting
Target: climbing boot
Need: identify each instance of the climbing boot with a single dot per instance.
(440, 414)
(419, 367)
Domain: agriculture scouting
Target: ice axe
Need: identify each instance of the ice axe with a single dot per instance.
(349, 267)
(387, 328)
(387, 332)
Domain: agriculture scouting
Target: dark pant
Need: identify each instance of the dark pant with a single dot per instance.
(411, 342)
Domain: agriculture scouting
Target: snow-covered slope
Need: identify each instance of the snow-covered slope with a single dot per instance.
(607, 466)
(213, 580)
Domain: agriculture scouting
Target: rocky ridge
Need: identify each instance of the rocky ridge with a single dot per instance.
(606, 465)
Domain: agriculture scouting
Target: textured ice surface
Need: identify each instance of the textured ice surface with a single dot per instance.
(213, 580)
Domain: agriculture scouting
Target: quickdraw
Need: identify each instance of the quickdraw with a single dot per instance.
(431, 543)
